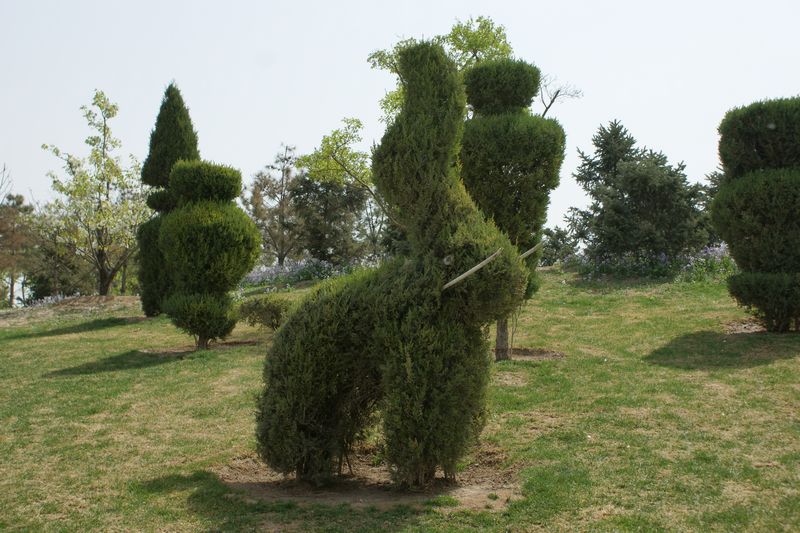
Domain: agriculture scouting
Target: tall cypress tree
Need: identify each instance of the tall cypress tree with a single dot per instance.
(172, 139)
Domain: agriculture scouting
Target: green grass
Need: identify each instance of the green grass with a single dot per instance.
(656, 420)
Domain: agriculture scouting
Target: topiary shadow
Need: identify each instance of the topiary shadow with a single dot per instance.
(708, 350)
(83, 327)
(229, 510)
(130, 360)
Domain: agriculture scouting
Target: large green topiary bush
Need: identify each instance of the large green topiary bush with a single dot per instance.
(172, 139)
(208, 245)
(510, 159)
(757, 206)
(392, 340)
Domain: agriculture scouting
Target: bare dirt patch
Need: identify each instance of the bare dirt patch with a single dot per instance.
(511, 379)
(484, 484)
(535, 354)
(748, 325)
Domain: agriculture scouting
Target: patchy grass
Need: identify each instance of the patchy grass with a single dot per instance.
(662, 415)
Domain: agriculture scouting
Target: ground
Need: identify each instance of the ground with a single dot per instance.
(637, 406)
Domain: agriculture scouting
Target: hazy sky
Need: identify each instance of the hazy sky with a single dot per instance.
(256, 74)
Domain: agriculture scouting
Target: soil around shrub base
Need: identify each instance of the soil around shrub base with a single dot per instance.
(484, 484)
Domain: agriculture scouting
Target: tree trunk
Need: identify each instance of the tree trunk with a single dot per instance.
(202, 343)
(124, 281)
(104, 280)
(12, 281)
(502, 351)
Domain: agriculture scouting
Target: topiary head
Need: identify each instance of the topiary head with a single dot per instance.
(501, 86)
(195, 181)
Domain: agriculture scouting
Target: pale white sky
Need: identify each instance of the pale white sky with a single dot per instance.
(256, 74)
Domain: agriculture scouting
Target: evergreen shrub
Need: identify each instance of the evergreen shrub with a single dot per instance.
(501, 86)
(756, 208)
(390, 340)
(267, 310)
(194, 181)
(207, 316)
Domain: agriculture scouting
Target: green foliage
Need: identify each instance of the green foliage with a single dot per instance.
(154, 279)
(559, 246)
(774, 297)
(101, 201)
(172, 139)
(269, 204)
(762, 135)
(755, 209)
(208, 246)
(161, 201)
(390, 340)
(195, 181)
(267, 310)
(510, 159)
(467, 44)
(643, 211)
(207, 316)
(327, 212)
(501, 86)
(758, 217)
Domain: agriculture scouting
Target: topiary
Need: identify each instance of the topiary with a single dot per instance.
(755, 210)
(208, 246)
(393, 340)
(267, 310)
(510, 159)
(173, 138)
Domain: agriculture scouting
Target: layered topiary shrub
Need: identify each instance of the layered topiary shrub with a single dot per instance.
(393, 340)
(172, 139)
(757, 206)
(510, 159)
(208, 244)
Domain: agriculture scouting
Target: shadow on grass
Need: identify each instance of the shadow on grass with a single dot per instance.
(608, 283)
(83, 327)
(706, 350)
(130, 360)
(228, 510)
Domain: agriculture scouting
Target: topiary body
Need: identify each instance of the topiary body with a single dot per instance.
(392, 339)
(208, 245)
(756, 208)
(510, 159)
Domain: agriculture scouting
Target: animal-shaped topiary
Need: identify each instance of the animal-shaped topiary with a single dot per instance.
(394, 340)
(510, 159)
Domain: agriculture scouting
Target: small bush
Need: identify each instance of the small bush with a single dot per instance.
(194, 181)
(267, 310)
(206, 316)
(762, 135)
(502, 86)
(772, 297)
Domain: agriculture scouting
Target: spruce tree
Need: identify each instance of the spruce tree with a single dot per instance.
(510, 160)
(173, 139)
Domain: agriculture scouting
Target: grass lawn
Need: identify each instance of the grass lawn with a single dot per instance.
(662, 416)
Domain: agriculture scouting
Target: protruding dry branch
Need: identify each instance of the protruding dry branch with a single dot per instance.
(472, 270)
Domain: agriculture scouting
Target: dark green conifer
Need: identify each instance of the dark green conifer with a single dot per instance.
(173, 139)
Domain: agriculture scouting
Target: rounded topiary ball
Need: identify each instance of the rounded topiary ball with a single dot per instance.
(501, 86)
(208, 246)
(763, 135)
(193, 181)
